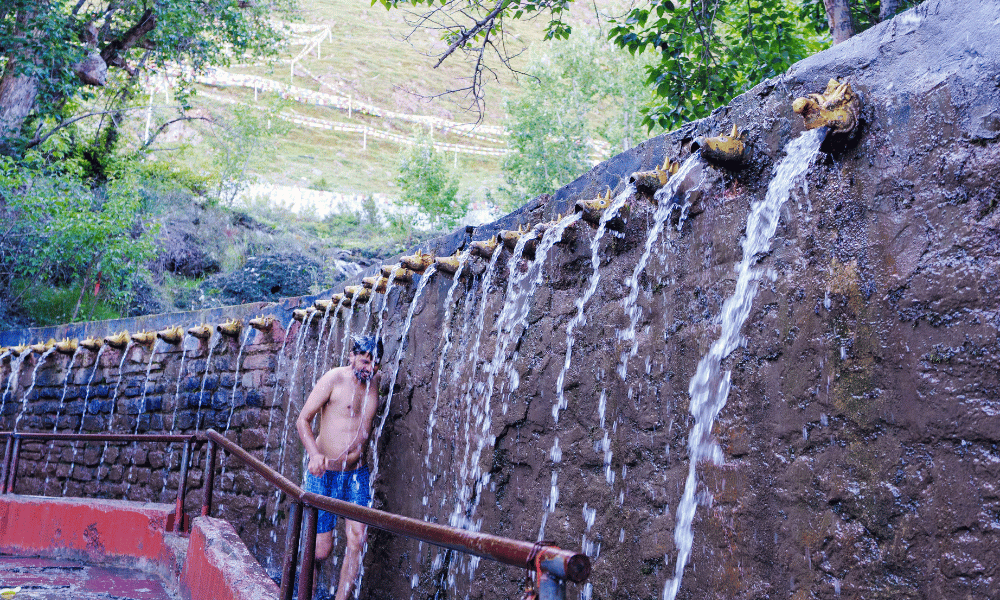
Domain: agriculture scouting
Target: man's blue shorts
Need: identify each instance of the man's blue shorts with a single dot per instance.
(352, 486)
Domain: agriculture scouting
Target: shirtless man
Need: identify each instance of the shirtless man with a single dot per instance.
(345, 398)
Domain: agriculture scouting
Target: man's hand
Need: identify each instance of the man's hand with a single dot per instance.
(317, 464)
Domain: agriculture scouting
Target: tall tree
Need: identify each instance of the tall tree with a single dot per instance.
(55, 52)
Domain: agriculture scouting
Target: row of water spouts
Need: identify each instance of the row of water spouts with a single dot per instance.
(478, 383)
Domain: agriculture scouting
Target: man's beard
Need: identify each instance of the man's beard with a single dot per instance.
(363, 376)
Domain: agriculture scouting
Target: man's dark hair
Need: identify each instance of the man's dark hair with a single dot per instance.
(368, 344)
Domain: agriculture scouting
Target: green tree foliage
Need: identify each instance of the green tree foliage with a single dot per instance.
(581, 101)
(707, 50)
(59, 233)
(426, 182)
(59, 59)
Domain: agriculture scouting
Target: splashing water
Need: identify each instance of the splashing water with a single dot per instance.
(513, 318)
(424, 279)
(55, 423)
(446, 346)
(709, 387)
(15, 374)
(595, 276)
(34, 376)
(319, 344)
(232, 397)
(665, 207)
(83, 416)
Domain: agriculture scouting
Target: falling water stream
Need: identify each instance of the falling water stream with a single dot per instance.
(15, 374)
(212, 343)
(83, 416)
(34, 377)
(710, 386)
(445, 347)
(55, 422)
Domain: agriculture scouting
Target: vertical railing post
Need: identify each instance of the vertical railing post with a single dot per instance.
(13, 464)
(292, 536)
(182, 487)
(308, 555)
(209, 480)
(550, 587)
(6, 464)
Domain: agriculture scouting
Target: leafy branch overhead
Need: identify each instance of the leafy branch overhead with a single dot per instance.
(709, 50)
(57, 54)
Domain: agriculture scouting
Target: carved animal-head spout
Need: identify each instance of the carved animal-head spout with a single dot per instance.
(650, 181)
(92, 343)
(230, 328)
(593, 211)
(838, 108)
(144, 338)
(262, 323)
(67, 346)
(172, 335)
(417, 262)
(118, 340)
(202, 332)
(485, 248)
(724, 150)
(450, 264)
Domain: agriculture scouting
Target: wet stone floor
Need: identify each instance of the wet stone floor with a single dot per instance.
(48, 579)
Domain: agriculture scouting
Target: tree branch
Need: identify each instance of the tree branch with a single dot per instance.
(467, 35)
(112, 53)
(162, 128)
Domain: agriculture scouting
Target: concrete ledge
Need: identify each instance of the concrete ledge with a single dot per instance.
(131, 534)
(219, 566)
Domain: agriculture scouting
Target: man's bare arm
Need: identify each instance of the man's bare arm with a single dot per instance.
(303, 424)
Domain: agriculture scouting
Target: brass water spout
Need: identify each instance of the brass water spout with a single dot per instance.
(93, 344)
(300, 314)
(511, 237)
(20, 350)
(376, 283)
(418, 262)
(172, 335)
(67, 346)
(449, 264)
(202, 332)
(657, 178)
(726, 150)
(144, 338)
(323, 306)
(361, 295)
(118, 340)
(388, 270)
(230, 327)
(838, 108)
(262, 323)
(485, 248)
(42, 348)
(593, 211)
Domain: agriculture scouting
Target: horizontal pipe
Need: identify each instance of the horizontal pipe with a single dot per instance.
(272, 476)
(101, 437)
(573, 565)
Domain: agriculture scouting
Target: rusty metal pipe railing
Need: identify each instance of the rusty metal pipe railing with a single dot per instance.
(564, 564)
(291, 551)
(209, 479)
(309, 554)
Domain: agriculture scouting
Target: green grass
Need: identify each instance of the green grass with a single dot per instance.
(54, 305)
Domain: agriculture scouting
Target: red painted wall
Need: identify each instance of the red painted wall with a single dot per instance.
(219, 566)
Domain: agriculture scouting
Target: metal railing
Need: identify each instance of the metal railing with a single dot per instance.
(12, 451)
(552, 564)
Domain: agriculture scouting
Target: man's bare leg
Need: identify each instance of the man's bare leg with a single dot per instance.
(356, 535)
(324, 546)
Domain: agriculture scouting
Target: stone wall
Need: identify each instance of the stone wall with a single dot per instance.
(859, 437)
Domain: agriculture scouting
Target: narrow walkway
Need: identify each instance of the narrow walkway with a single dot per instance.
(51, 579)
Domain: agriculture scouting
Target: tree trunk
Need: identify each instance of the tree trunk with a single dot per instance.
(838, 13)
(887, 9)
(17, 98)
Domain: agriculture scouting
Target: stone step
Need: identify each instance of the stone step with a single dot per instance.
(51, 579)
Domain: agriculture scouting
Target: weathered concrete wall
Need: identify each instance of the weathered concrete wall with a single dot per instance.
(860, 434)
